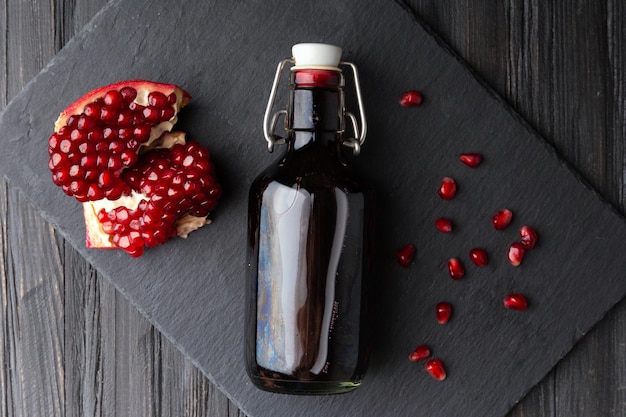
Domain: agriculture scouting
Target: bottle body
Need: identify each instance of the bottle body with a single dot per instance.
(308, 258)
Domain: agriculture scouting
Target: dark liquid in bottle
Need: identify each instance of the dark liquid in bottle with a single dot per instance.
(308, 255)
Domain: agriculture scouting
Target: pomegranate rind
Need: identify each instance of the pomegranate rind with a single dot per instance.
(144, 86)
(188, 223)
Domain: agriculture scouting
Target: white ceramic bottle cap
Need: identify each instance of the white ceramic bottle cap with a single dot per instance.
(316, 55)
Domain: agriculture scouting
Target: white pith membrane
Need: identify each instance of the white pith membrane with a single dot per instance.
(98, 238)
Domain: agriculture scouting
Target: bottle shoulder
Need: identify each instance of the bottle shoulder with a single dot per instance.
(311, 175)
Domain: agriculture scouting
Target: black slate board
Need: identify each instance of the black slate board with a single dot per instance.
(192, 290)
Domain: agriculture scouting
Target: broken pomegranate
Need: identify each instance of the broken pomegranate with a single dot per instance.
(479, 257)
(435, 368)
(443, 225)
(447, 189)
(528, 237)
(443, 311)
(515, 302)
(502, 219)
(139, 184)
(516, 253)
(420, 353)
(455, 268)
(411, 98)
(405, 254)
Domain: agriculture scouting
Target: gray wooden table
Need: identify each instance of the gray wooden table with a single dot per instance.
(70, 345)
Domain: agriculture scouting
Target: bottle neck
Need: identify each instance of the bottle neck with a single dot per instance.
(315, 110)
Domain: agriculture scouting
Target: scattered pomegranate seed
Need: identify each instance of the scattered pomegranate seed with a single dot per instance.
(447, 189)
(471, 159)
(515, 302)
(443, 225)
(516, 253)
(411, 98)
(420, 353)
(502, 219)
(435, 368)
(443, 312)
(479, 256)
(405, 255)
(529, 237)
(455, 267)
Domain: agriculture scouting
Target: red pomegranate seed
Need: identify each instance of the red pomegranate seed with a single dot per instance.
(125, 118)
(516, 253)
(77, 136)
(152, 114)
(479, 256)
(167, 113)
(435, 368)
(85, 123)
(142, 132)
(108, 115)
(443, 225)
(471, 159)
(411, 98)
(157, 99)
(443, 312)
(528, 236)
(92, 110)
(447, 189)
(515, 302)
(502, 219)
(405, 255)
(114, 99)
(128, 94)
(420, 353)
(455, 267)
(95, 135)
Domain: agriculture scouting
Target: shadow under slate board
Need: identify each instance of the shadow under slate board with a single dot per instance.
(224, 54)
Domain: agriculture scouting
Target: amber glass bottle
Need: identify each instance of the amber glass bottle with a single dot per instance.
(309, 224)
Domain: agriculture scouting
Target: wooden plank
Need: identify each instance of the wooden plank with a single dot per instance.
(120, 364)
(7, 312)
(29, 43)
(33, 292)
(590, 380)
(3, 54)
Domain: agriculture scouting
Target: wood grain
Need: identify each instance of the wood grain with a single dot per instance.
(70, 345)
